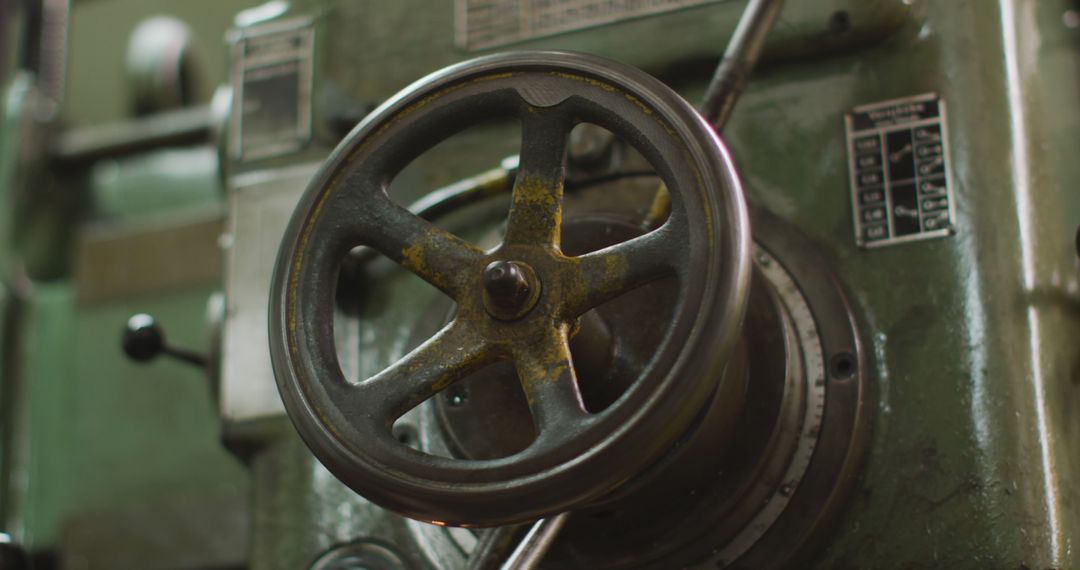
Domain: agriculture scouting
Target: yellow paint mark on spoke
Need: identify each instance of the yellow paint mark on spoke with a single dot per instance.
(416, 259)
(537, 209)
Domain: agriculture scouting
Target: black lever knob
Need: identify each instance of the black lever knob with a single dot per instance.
(12, 555)
(144, 341)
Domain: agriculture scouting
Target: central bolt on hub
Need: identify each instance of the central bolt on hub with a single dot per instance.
(510, 289)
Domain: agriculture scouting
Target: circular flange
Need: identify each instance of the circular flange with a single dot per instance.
(771, 509)
(576, 456)
(362, 554)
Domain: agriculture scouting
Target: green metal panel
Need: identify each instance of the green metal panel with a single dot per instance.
(403, 41)
(972, 455)
(111, 441)
(971, 460)
(98, 452)
(47, 401)
(104, 433)
(108, 451)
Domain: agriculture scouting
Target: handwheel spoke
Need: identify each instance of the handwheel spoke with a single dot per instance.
(605, 274)
(453, 353)
(433, 254)
(549, 380)
(536, 206)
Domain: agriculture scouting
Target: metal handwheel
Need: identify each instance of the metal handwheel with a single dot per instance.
(519, 301)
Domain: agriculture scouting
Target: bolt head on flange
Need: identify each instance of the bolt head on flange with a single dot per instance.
(510, 289)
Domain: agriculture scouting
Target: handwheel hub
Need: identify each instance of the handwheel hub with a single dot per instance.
(511, 289)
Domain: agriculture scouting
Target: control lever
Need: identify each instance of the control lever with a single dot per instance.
(492, 547)
(12, 555)
(526, 555)
(144, 341)
(531, 550)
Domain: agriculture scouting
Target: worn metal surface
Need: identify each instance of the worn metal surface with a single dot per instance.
(973, 454)
(348, 425)
(971, 448)
(97, 434)
(761, 483)
(480, 24)
(105, 434)
(406, 40)
(300, 511)
(175, 530)
(259, 209)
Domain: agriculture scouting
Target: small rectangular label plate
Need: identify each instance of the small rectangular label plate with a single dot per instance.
(901, 181)
(488, 23)
(272, 77)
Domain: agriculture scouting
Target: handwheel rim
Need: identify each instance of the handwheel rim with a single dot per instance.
(354, 441)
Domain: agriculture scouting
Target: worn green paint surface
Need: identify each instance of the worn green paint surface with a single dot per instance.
(404, 41)
(91, 440)
(107, 435)
(103, 433)
(972, 457)
(99, 440)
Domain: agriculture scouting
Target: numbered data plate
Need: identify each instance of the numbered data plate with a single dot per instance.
(901, 182)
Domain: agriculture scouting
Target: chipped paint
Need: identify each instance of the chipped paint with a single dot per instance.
(547, 363)
(415, 259)
(660, 208)
(536, 211)
(589, 80)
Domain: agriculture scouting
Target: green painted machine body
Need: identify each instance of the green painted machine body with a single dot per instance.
(972, 450)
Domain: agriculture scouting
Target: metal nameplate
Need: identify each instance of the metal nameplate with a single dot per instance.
(483, 24)
(272, 83)
(901, 181)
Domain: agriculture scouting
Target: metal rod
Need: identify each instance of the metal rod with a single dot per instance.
(492, 548)
(536, 543)
(728, 82)
(81, 147)
(445, 200)
(463, 193)
(187, 356)
(739, 60)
